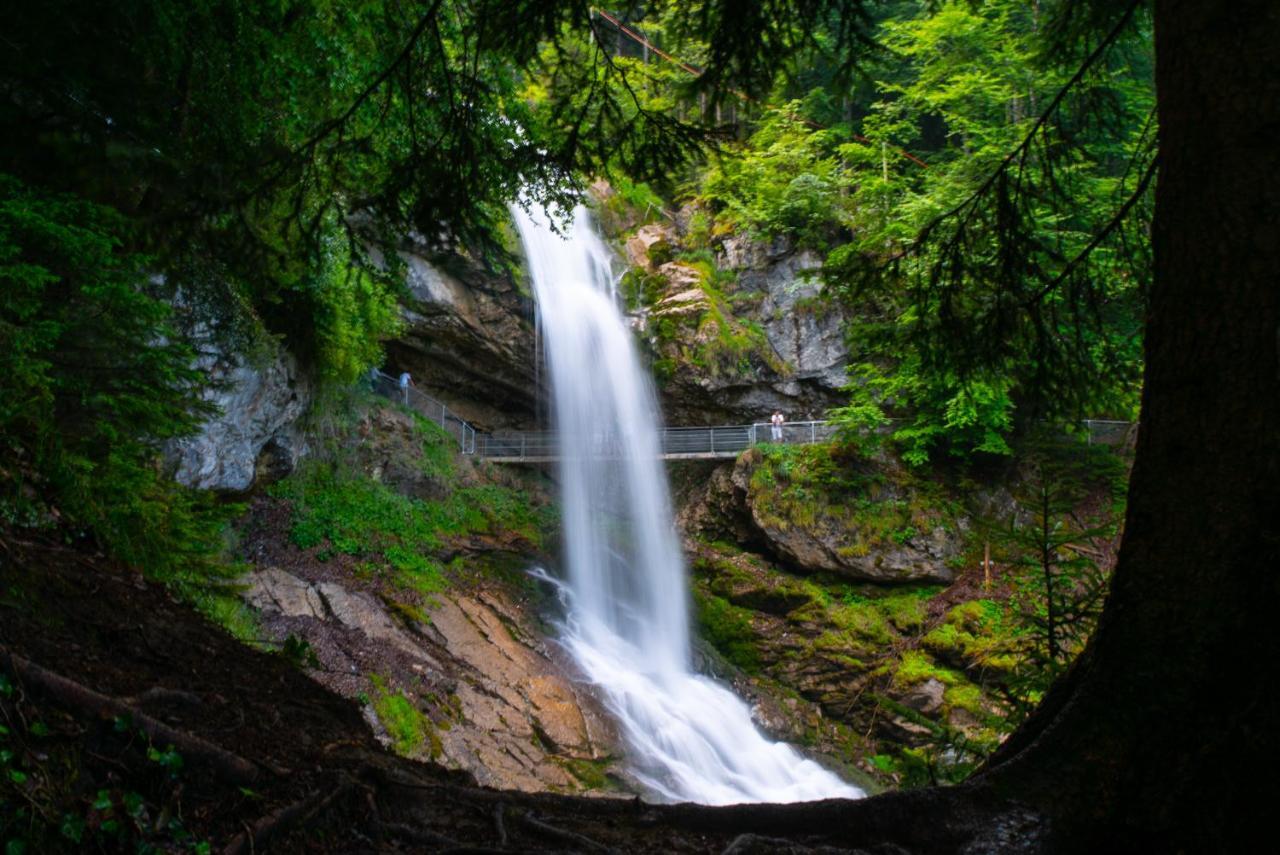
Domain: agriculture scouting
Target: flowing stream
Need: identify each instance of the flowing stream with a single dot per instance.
(628, 607)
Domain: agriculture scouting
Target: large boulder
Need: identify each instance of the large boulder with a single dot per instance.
(733, 505)
(496, 701)
(650, 246)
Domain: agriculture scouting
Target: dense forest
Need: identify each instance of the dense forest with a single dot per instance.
(963, 237)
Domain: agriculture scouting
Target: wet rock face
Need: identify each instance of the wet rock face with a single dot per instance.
(501, 704)
(255, 437)
(469, 340)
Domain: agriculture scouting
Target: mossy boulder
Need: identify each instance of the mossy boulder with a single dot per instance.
(864, 525)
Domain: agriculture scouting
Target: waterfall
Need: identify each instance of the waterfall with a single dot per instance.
(626, 594)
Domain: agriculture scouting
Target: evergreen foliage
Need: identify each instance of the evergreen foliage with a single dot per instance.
(92, 379)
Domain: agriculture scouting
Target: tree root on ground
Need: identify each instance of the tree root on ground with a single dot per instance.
(282, 821)
(228, 765)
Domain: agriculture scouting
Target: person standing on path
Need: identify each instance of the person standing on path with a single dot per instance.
(405, 382)
(777, 421)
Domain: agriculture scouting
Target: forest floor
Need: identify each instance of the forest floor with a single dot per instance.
(132, 723)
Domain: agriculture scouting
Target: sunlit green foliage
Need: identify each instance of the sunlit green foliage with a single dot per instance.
(968, 320)
(786, 181)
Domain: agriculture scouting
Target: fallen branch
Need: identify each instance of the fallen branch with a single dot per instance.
(415, 835)
(230, 766)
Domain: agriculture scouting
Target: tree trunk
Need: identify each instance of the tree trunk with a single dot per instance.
(1163, 734)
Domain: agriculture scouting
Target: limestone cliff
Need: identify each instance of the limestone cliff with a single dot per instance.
(736, 328)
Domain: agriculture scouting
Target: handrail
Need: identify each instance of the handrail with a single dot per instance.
(674, 442)
(427, 407)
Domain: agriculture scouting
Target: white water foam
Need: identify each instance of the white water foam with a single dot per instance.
(626, 595)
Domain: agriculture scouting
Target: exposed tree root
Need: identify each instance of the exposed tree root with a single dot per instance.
(498, 824)
(259, 836)
(560, 834)
(162, 695)
(228, 765)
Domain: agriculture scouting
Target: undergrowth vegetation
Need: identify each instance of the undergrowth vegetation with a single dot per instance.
(340, 510)
(933, 675)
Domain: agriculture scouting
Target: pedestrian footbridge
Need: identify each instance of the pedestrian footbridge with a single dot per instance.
(676, 443)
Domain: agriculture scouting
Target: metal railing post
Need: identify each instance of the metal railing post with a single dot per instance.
(713, 440)
(813, 432)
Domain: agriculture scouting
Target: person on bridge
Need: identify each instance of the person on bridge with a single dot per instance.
(777, 421)
(405, 382)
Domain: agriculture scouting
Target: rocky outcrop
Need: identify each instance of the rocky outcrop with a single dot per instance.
(468, 339)
(785, 339)
(732, 504)
(650, 246)
(255, 435)
(804, 328)
(497, 702)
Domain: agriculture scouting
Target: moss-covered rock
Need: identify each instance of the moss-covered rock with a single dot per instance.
(865, 521)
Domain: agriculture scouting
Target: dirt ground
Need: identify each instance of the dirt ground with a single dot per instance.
(91, 656)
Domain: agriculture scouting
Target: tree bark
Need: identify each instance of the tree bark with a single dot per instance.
(1162, 736)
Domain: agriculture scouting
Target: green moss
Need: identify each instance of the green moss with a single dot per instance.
(916, 667)
(979, 632)
(965, 696)
(864, 620)
(907, 611)
(590, 774)
(728, 629)
(228, 611)
(410, 730)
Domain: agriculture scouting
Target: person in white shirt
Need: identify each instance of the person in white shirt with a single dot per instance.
(405, 382)
(777, 421)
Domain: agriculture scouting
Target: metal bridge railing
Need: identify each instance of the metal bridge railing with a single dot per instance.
(427, 407)
(716, 441)
(673, 441)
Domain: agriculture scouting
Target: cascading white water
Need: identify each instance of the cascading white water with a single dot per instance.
(628, 614)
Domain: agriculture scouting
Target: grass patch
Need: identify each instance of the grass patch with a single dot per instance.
(338, 512)
(410, 730)
(438, 447)
(228, 611)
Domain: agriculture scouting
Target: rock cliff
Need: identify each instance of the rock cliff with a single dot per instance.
(735, 329)
(255, 434)
(469, 340)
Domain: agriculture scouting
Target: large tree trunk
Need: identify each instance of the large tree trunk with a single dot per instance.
(1163, 735)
